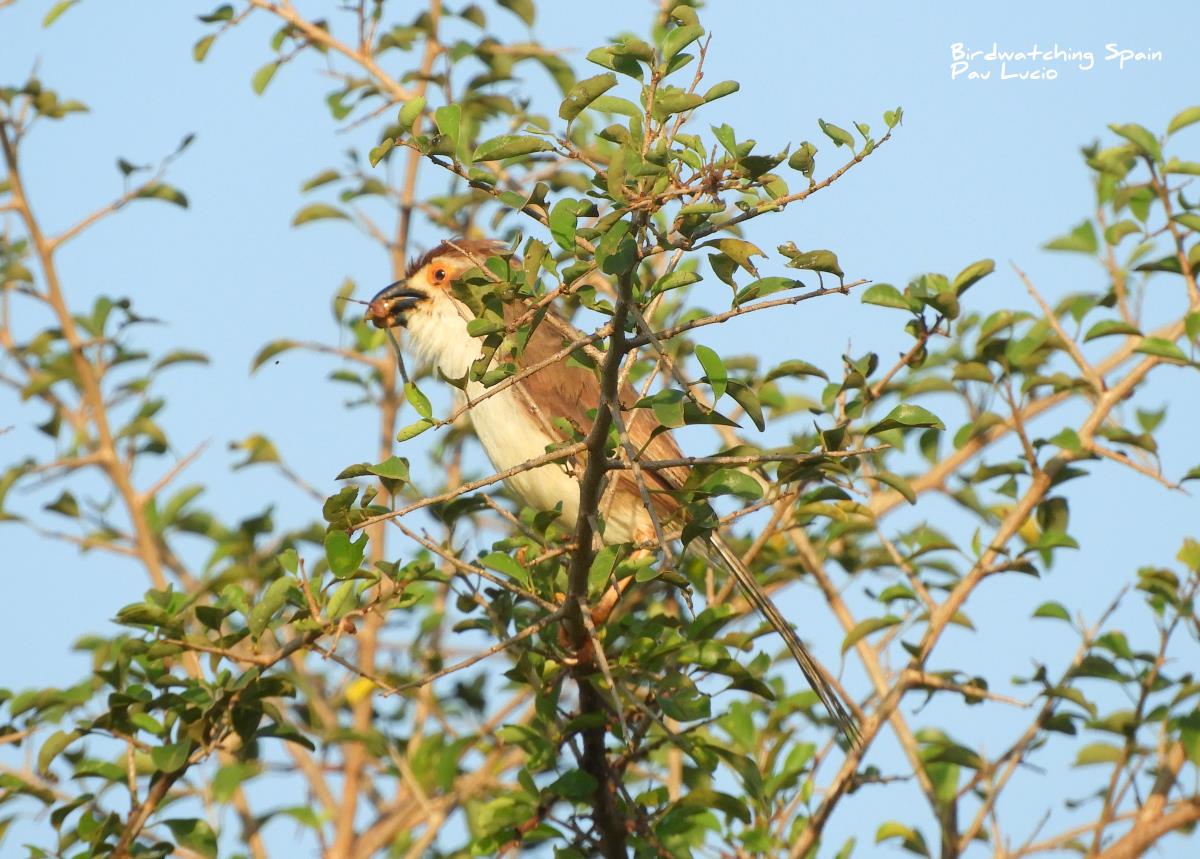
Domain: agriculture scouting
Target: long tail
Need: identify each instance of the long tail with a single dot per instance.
(812, 672)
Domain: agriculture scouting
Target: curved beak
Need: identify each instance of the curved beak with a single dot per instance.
(389, 305)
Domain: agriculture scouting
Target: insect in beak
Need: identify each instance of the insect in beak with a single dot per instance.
(389, 305)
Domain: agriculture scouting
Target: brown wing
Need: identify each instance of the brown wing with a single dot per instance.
(570, 392)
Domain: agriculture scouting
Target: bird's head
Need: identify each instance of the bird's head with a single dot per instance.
(434, 321)
(424, 292)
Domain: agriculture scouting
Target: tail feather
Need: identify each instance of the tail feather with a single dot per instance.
(808, 666)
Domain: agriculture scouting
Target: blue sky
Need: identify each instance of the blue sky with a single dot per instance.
(980, 168)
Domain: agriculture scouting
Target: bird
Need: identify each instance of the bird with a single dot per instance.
(520, 422)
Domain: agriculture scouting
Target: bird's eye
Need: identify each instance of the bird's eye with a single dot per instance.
(439, 275)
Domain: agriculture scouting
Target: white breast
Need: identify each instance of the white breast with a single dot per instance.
(507, 431)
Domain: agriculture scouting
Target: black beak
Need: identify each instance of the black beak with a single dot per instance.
(389, 305)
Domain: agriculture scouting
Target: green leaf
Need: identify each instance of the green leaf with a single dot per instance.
(523, 9)
(200, 49)
(885, 295)
(763, 287)
(393, 468)
(804, 159)
(795, 367)
(170, 757)
(194, 834)
(667, 406)
(322, 178)
(675, 101)
(271, 601)
(1188, 168)
(616, 252)
(738, 250)
(730, 481)
(377, 153)
(714, 369)
(263, 76)
(510, 146)
(614, 104)
(56, 11)
(270, 351)
(907, 415)
(1114, 233)
(448, 120)
(344, 556)
(678, 39)
(1097, 753)
(1109, 327)
(148, 723)
(573, 784)
(180, 356)
(318, 212)
(1052, 610)
(563, 218)
(819, 260)
(721, 90)
(224, 12)
(339, 600)
(1189, 219)
(414, 429)
(1139, 137)
(483, 326)
(972, 274)
(584, 93)
(410, 111)
(229, 777)
(900, 484)
(1187, 116)
(674, 280)
(1082, 239)
(910, 839)
(1160, 347)
(1191, 325)
(748, 400)
(53, 747)
(865, 627)
(839, 136)
(417, 400)
(166, 193)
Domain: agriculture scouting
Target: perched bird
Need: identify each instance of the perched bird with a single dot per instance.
(517, 424)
